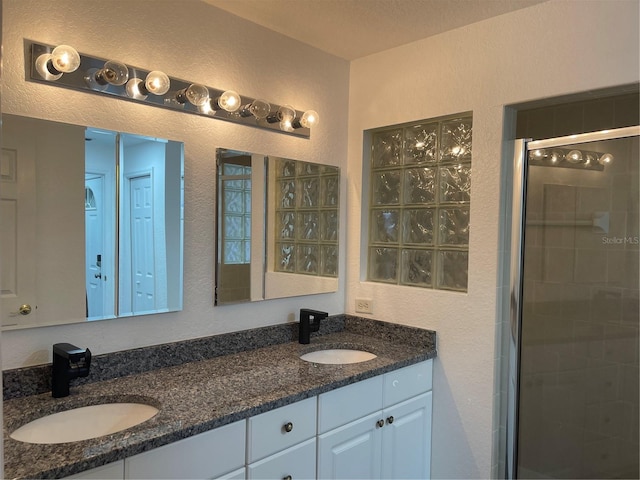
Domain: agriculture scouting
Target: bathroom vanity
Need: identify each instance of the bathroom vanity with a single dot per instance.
(256, 413)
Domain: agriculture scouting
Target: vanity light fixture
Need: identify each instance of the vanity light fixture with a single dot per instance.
(153, 87)
(62, 59)
(155, 83)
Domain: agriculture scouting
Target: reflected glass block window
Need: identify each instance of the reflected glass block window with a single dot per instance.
(236, 214)
(307, 203)
(420, 197)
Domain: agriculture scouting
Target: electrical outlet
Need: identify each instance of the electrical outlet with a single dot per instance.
(364, 305)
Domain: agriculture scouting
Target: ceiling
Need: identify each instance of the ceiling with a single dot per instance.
(352, 29)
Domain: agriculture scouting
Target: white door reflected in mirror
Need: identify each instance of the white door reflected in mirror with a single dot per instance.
(133, 254)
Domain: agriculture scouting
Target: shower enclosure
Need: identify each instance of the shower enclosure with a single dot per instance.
(574, 307)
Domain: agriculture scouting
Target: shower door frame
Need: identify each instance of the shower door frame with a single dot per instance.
(518, 214)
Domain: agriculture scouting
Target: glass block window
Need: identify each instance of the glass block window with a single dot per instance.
(307, 199)
(236, 214)
(420, 193)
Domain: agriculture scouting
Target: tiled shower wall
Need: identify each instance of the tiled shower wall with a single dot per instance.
(579, 371)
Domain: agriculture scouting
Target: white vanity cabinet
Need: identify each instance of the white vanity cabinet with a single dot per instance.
(213, 454)
(392, 441)
(375, 428)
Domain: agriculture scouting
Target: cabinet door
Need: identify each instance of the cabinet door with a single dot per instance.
(351, 451)
(206, 455)
(297, 463)
(406, 439)
(111, 471)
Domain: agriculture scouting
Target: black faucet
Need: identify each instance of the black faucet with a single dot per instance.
(309, 322)
(69, 362)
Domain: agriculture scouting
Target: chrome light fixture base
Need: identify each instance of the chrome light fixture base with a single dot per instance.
(77, 80)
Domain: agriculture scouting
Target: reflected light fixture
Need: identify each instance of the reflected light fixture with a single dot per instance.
(112, 73)
(573, 158)
(62, 59)
(195, 94)
(155, 83)
(258, 108)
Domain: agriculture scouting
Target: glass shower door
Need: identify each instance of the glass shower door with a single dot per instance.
(577, 409)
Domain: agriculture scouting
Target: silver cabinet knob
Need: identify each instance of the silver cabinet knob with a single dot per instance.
(380, 423)
(390, 419)
(288, 427)
(288, 477)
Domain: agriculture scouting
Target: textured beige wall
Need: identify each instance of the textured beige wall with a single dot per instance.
(551, 49)
(195, 41)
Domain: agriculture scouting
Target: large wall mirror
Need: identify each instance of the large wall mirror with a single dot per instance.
(92, 223)
(277, 227)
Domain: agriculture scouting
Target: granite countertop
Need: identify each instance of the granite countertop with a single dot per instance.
(198, 396)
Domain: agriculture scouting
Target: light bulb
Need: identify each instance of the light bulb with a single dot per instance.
(157, 82)
(258, 108)
(285, 113)
(195, 94)
(112, 73)
(605, 159)
(229, 101)
(574, 156)
(135, 89)
(589, 159)
(65, 59)
(309, 119)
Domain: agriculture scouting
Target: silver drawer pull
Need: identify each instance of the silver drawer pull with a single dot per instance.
(390, 420)
(288, 427)
(288, 477)
(380, 423)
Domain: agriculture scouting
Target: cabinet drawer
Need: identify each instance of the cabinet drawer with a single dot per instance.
(296, 462)
(349, 403)
(206, 455)
(407, 382)
(281, 428)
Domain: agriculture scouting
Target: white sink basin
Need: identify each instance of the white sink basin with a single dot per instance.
(84, 423)
(337, 356)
